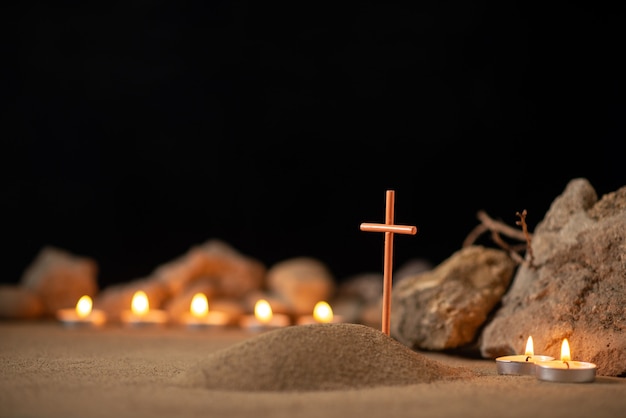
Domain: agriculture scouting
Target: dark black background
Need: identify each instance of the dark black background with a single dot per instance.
(132, 131)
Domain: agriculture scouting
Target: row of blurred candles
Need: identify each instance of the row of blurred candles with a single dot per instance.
(198, 315)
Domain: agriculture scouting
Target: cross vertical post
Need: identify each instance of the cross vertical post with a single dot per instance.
(389, 228)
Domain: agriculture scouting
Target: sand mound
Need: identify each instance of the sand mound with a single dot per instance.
(316, 357)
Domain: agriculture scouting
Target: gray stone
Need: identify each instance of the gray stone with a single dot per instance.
(445, 307)
(575, 287)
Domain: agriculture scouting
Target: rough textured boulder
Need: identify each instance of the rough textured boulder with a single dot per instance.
(575, 287)
(445, 307)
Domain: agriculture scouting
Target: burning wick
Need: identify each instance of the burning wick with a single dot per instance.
(263, 311)
(264, 318)
(199, 315)
(140, 312)
(84, 306)
(322, 312)
(566, 370)
(521, 364)
(82, 314)
(199, 305)
(140, 304)
(530, 350)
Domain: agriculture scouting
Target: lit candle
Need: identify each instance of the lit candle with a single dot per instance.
(566, 370)
(521, 364)
(82, 314)
(199, 315)
(263, 318)
(322, 314)
(140, 313)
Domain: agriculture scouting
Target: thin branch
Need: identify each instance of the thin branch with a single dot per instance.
(474, 234)
(522, 222)
(503, 228)
(498, 240)
(497, 229)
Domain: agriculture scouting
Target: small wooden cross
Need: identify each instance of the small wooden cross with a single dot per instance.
(389, 229)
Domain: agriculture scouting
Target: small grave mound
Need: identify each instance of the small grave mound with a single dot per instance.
(317, 357)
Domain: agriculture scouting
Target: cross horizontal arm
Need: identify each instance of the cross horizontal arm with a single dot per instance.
(397, 229)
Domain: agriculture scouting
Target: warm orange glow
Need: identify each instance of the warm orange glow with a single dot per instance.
(83, 306)
(565, 353)
(323, 312)
(263, 311)
(140, 304)
(199, 305)
(530, 350)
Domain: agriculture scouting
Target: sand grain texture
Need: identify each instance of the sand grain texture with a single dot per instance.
(317, 357)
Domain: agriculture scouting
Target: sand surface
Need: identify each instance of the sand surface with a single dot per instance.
(47, 370)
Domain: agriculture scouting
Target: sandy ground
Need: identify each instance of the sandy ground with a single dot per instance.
(47, 370)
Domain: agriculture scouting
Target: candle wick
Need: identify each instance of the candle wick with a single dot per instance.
(567, 364)
(528, 358)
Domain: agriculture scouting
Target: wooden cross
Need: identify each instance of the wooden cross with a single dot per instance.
(389, 229)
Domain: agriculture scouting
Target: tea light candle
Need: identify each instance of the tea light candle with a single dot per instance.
(140, 313)
(566, 370)
(264, 319)
(82, 315)
(199, 315)
(322, 314)
(521, 364)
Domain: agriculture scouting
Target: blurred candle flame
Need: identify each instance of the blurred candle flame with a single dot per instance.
(140, 304)
(199, 305)
(263, 311)
(530, 351)
(83, 306)
(322, 312)
(565, 353)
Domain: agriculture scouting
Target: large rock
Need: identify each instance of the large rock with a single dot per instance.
(444, 308)
(575, 287)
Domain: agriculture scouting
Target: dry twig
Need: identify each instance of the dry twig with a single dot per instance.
(522, 222)
(497, 228)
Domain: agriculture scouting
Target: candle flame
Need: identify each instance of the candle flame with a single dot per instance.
(140, 304)
(199, 305)
(263, 311)
(323, 312)
(83, 306)
(530, 350)
(565, 353)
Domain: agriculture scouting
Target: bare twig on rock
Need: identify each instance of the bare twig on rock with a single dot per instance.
(522, 223)
(497, 228)
(502, 228)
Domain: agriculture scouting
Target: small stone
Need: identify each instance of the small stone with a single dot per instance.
(18, 302)
(60, 278)
(301, 282)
